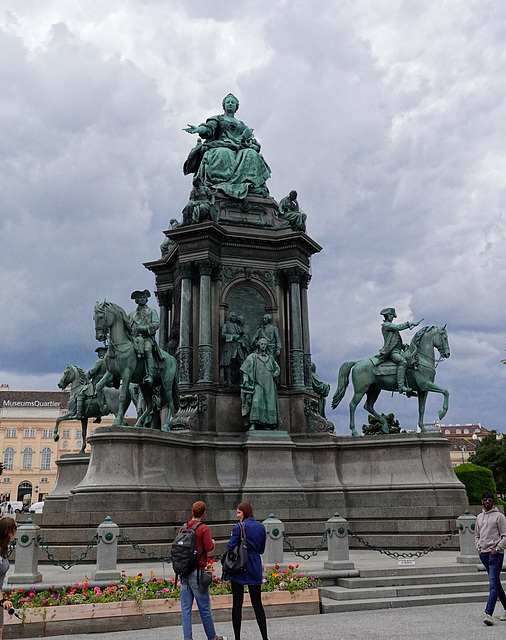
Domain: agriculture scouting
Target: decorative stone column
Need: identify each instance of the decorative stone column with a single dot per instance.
(26, 570)
(306, 341)
(296, 343)
(466, 525)
(338, 544)
(205, 324)
(185, 349)
(107, 551)
(274, 529)
(164, 299)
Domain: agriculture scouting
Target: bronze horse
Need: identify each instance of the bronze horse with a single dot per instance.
(420, 379)
(122, 363)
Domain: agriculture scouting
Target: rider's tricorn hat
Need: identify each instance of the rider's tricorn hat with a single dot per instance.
(102, 347)
(388, 311)
(140, 293)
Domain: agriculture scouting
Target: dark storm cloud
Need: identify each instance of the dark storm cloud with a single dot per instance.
(387, 118)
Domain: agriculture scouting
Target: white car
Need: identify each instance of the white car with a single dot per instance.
(37, 507)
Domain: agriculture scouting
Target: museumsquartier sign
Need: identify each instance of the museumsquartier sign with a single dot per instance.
(33, 403)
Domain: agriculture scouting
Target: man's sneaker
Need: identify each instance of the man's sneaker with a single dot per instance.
(503, 617)
(488, 620)
(221, 638)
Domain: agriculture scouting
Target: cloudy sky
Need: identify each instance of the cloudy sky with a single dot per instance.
(385, 116)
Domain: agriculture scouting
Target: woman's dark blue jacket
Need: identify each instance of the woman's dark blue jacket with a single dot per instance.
(255, 537)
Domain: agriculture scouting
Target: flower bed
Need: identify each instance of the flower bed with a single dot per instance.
(137, 602)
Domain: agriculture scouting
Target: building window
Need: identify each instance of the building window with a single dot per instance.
(65, 433)
(6, 479)
(29, 433)
(91, 432)
(27, 458)
(9, 458)
(447, 431)
(79, 433)
(47, 433)
(11, 433)
(45, 459)
(44, 479)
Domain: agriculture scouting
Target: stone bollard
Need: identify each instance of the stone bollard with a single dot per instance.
(338, 545)
(26, 569)
(107, 551)
(466, 525)
(273, 553)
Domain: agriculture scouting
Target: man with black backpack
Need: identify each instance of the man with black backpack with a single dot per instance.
(189, 559)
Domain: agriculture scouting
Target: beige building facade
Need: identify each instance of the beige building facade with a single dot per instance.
(28, 449)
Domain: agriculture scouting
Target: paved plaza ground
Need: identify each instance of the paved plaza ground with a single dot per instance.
(418, 623)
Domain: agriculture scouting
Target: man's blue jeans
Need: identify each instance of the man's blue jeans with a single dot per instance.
(189, 591)
(493, 564)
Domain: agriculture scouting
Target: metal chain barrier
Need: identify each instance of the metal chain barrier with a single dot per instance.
(398, 554)
(140, 549)
(66, 565)
(306, 556)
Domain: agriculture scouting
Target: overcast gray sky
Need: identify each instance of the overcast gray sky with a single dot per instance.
(386, 116)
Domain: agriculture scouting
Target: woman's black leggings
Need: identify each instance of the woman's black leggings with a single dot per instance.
(256, 603)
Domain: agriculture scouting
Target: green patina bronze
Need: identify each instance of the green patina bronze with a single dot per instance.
(201, 205)
(321, 388)
(393, 348)
(130, 338)
(234, 349)
(370, 377)
(229, 157)
(270, 332)
(289, 210)
(83, 402)
(259, 395)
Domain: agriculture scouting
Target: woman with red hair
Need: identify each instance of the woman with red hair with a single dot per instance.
(255, 535)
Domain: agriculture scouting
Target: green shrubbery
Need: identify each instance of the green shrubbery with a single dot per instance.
(476, 480)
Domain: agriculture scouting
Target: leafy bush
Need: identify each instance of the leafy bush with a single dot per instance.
(476, 480)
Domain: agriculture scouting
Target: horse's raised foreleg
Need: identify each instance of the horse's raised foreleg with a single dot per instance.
(106, 379)
(67, 416)
(431, 386)
(372, 396)
(422, 399)
(84, 429)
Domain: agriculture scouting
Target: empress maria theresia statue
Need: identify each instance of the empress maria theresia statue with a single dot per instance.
(229, 157)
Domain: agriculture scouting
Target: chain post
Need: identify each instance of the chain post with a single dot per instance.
(274, 544)
(466, 526)
(107, 551)
(26, 567)
(338, 544)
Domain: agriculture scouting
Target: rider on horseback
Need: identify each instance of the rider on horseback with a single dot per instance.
(88, 390)
(144, 323)
(393, 347)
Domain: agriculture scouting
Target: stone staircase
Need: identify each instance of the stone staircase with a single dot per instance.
(406, 587)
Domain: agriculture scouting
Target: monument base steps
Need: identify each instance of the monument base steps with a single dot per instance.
(406, 587)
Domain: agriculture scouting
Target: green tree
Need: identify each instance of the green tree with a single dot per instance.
(491, 454)
(374, 428)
